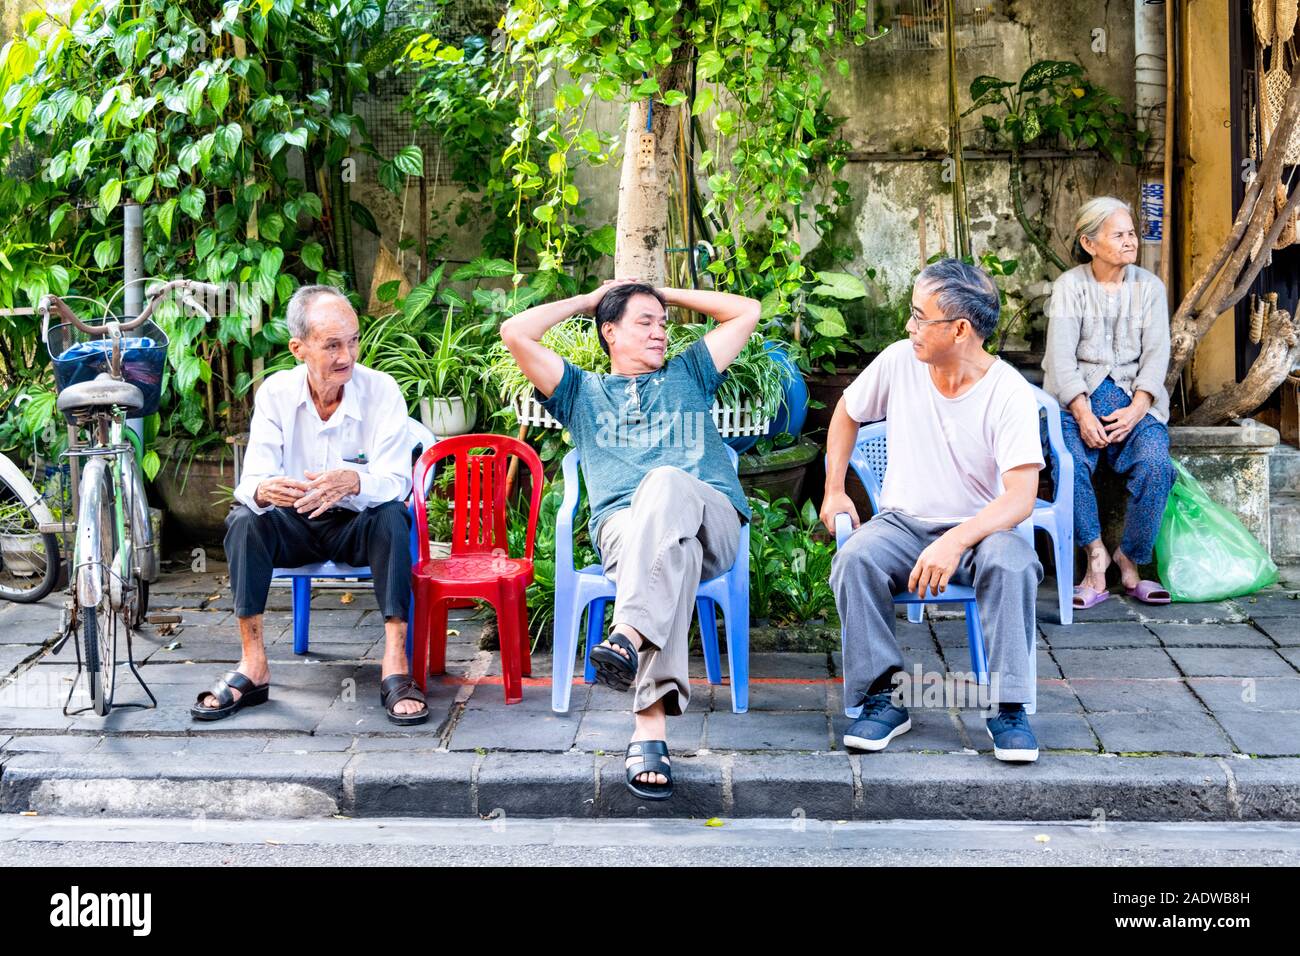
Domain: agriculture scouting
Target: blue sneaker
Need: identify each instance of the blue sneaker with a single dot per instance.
(881, 721)
(1012, 739)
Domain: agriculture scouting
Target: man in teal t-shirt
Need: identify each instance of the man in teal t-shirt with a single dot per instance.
(665, 501)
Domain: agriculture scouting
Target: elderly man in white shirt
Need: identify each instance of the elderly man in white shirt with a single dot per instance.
(327, 469)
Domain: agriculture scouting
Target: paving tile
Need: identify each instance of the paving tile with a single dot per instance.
(767, 731)
(1119, 695)
(1095, 636)
(1180, 732)
(806, 665)
(1216, 612)
(609, 731)
(1263, 734)
(309, 743)
(1234, 662)
(364, 714)
(1284, 630)
(1271, 604)
(62, 744)
(1115, 609)
(1211, 635)
(1115, 663)
(486, 730)
(15, 720)
(1226, 694)
(778, 696)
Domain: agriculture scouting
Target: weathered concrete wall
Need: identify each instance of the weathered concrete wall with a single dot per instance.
(896, 102)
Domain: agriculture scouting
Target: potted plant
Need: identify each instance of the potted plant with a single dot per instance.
(21, 550)
(440, 374)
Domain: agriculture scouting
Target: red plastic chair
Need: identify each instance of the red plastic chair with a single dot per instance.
(480, 565)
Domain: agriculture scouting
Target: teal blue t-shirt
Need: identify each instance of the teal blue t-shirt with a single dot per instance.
(624, 425)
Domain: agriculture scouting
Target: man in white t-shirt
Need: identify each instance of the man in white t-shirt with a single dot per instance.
(964, 453)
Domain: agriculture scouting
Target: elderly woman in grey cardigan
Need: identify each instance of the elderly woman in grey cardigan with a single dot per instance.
(1107, 354)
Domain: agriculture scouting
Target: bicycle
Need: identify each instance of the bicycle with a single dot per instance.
(101, 382)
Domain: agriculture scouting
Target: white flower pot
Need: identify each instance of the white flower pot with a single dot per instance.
(23, 554)
(448, 416)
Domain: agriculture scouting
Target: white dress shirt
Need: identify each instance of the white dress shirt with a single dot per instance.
(367, 434)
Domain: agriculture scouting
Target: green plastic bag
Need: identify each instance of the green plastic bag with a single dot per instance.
(1203, 551)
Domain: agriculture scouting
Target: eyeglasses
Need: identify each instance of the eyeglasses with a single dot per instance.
(923, 322)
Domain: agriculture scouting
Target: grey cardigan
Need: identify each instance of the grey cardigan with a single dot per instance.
(1083, 346)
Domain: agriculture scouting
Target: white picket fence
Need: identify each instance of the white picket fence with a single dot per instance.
(731, 421)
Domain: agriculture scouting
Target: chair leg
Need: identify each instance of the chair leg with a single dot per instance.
(736, 615)
(975, 637)
(508, 639)
(707, 612)
(418, 632)
(301, 613)
(916, 613)
(525, 639)
(564, 640)
(595, 634)
(437, 635)
(1063, 549)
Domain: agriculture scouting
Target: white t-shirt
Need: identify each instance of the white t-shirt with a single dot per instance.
(946, 455)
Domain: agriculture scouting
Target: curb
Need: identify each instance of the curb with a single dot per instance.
(778, 785)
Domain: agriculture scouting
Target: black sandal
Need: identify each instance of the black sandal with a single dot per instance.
(612, 668)
(250, 695)
(401, 687)
(653, 759)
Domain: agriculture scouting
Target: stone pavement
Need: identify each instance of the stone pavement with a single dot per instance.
(1187, 712)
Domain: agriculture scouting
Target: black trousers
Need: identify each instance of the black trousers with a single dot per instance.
(282, 538)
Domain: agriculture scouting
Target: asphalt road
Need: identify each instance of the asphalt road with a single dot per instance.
(64, 841)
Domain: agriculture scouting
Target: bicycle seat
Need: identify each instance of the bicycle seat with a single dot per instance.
(100, 392)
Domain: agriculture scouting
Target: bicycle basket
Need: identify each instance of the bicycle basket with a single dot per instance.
(79, 357)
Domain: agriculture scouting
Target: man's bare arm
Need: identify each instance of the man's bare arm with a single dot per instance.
(736, 315)
(522, 335)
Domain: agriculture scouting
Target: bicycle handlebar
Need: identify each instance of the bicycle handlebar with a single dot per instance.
(190, 286)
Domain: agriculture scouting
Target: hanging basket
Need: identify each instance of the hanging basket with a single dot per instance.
(731, 421)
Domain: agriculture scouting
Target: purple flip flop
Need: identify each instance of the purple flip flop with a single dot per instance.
(1086, 597)
(1149, 592)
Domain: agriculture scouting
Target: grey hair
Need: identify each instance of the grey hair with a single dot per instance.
(1091, 217)
(964, 292)
(295, 315)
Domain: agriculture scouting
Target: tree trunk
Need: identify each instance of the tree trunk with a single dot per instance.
(643, 192)
(1277, 356)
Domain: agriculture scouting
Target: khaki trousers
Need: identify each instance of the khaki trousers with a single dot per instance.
(678, 532)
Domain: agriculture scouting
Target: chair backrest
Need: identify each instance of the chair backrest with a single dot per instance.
(569, 505)
(870, 455)
(1056, 441)
(479, 513)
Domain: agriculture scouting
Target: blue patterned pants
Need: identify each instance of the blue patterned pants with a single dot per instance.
(1142, 458)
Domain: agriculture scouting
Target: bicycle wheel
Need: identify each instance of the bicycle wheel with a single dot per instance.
(99, 622)
(29, 559)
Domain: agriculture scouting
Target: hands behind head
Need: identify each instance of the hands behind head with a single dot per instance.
(594, 297)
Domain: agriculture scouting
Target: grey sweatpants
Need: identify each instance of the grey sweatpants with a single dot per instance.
(874, 565)
(678, 532)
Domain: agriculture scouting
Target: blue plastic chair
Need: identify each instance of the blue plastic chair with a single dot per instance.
(869, 460)
(591, 590)
(1056, 517)
(301, 577)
